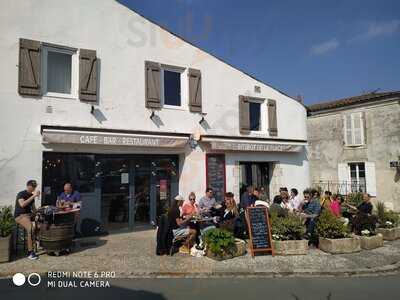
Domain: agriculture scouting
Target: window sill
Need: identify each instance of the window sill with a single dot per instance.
(172, 107)
(59, 95)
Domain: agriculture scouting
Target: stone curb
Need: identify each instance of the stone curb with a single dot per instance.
(383, 270)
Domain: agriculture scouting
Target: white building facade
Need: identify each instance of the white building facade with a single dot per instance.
(132, 115)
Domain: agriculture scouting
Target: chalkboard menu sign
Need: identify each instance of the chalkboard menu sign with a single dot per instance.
(216, 175)
(259, 230)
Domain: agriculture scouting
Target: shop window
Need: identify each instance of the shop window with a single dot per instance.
(60, 168)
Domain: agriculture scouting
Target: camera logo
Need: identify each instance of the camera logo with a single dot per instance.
(33, 279)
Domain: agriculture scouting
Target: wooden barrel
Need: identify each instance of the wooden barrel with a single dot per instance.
(56, 237)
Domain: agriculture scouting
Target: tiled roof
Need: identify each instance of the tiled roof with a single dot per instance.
(370, 97)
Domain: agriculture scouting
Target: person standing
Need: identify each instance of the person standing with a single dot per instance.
(248, 198)
(24, 207)
(207, 201)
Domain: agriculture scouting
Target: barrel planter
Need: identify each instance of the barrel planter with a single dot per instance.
(292, 247)
(56, 237)
(371, 242)
(389, 234)
(5, 247)
(336, 246)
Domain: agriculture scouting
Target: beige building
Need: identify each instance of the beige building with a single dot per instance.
(354, 145)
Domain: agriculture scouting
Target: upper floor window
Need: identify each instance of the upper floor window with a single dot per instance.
(255, 116)
(59, 72)
(354, 129)
(172, 88)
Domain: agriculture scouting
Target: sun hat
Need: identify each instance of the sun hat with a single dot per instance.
(179, 198)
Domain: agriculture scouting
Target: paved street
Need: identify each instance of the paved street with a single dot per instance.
(381, 287)
(133, 255)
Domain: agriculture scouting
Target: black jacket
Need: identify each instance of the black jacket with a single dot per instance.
(164, 236)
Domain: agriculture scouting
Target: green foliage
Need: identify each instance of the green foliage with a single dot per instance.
(329, 226)
(219, 241)
(287, 228)
(387, 219)
(6, 221)
(355, 199)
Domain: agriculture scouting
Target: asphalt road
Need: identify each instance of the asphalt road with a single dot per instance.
(374, 287)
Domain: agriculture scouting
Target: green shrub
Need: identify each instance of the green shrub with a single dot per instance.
(363, 224)
(219, 242)
(387, 219)
(330, 227)
(6, 221)
(355, 199)
(287, 228)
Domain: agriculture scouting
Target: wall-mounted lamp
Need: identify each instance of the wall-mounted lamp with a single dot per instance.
(193, 142)
(153, 114)
(92, 109)
(202, 120)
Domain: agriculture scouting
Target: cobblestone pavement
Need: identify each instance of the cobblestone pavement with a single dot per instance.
(133, 255)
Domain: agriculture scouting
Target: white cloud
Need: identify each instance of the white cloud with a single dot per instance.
(325, 47)
(376, 29)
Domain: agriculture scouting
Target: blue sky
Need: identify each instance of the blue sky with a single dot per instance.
(322, 50)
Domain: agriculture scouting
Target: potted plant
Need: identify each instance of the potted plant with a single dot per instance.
(334, 236)
(364, 226)
(388, 223)
(6, 228)
(221, 244)
(287, 233)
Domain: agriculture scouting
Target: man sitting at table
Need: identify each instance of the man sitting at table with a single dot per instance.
(207, 202)
(68, 196)
(179, 226)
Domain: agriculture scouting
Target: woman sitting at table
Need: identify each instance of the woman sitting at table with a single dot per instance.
(190, 207)
(229, 214)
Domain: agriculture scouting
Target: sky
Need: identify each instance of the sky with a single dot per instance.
(321, 50)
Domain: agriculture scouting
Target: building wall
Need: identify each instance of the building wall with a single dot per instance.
(327, 149)
(123, 41)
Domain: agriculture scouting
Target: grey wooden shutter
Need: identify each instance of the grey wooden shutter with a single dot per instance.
(272, 119)
(244, 114)
(29, 67)
(194, 90)
(88, 75)
(153, 87)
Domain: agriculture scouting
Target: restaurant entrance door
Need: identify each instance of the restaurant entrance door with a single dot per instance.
(255, 174)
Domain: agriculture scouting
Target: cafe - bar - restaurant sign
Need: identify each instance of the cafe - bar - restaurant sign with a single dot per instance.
(85, 138)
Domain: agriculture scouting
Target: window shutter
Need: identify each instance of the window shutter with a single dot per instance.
(244, 114)
(194, 90)
(348, 133)
(364, 128)
(88, 75)
(344, 178)
(272, 118)
(370, 178)
(153, 87)
(29, 68)
(357, 128)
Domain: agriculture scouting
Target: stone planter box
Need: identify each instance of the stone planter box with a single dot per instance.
(389, 234)
(371, 242)
(5, 246)
(294, 247)
(336, 246)
(238, 250)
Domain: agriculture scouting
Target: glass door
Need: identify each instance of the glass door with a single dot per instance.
(115, 193)
(141, 182)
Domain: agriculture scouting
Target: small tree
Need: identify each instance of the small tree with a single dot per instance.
(6, 221)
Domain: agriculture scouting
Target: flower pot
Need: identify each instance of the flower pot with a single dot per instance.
(371, 242)
(5, 246)
(389, 234)
(335, 246)
(293, 247)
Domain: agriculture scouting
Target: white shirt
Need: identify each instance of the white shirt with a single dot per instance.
(295, 202)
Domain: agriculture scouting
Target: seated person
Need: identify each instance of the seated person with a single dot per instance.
(276, 207)
(24, 207)
(230, 213)
(179, 226)
(190, 208)
(334, 206)
(207, 202)
(68, 196)
(312, 211)
(325, 200)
